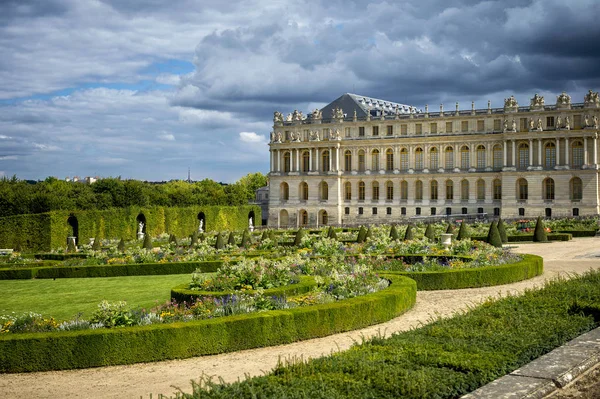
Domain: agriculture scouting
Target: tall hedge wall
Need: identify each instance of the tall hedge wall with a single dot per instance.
(47, 231)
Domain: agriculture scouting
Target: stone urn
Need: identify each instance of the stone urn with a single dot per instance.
(446, 240)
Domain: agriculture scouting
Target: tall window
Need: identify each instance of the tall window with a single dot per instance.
(304, 191)
(419, 128)
(522, 193)
(361, 131)
(403, 130)
(577, 154)
(464, 126)
(347, 191)
(305, 161)
(404, 159)
(375, 160)
(324, 218)
(404, 190)
(465, 159)
(390, 130)
(433, 128)
(550, 155)
(449, 155)
(464, 190)
(576, 189)
(284, 190)
(303, 218)
(549, 189)
(480, 157)
(523, 156)
(433, 159)
(419, 190)
(497, 189)
(433, 191)
(324, 191)
(449, 190)
(480, 125)
(389, 159)
(375, 193)
(449, 127)
(498, 157)
(375, 131)
(287, 162)
(480, 189)
(389, 191)
(361, 161)
(361, 190)
(419, 159)
(348, 161)
(325, 161)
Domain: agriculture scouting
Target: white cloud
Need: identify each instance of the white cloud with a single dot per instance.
(166, 136)
(251, 137)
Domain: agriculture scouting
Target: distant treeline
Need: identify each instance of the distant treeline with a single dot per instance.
(19, 197)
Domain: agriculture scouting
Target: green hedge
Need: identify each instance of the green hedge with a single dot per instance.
(46, 231)
(181, 293)
(103, 347)
(529, 267)
(529, 237)
(133, 269)
(65, 256)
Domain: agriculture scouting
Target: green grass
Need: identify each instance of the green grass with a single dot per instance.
(64, 298)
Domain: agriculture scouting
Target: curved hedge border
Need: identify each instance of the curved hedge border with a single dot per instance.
(181, 293)
(530, 266)
(132, 269)
(94, 348)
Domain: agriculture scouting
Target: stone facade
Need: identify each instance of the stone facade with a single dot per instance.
(383, 162)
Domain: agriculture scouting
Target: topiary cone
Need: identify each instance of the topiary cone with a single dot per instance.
(246, 242)
(96, 245)
(121, 246)
(362, 233)
(463, 232)
(299, 235)
(502, 231)
(147, 242)
(394, 233)
(409, 234)
(231, 239)
(194, 239)
(331, 233)
(450, 229)
(219, 244)
(173, 239)
(539, 234)
(494, 236)
(429, 232)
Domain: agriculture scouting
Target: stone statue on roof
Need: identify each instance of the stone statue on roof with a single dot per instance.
(510, 102)
(563, 99)
(277, 117)
(537, 101)
(317, 114)
(591, 99)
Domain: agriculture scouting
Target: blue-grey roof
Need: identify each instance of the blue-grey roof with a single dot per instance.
(362, 104)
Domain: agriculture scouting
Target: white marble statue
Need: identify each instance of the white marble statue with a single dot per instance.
(141, 228)
(250, 224)
(201, 226)
(595, 122)
(514, 126)
(539, 124)
(567, 123)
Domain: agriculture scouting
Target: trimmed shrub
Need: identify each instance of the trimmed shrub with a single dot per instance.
(121, 246)
(231, 239)
(450, 229)
(298, 239)
(102, 347)
(362, 235)
(194, 238)
(220, 243)
(463, 232)
(173, 239)
(493, 237)
(502, 231)
(331, 233)
(147, 244)
(409, 234)
(369, 234)
(429, 232)
(246, 241)
(265, 235)
(394, 233)
(539, 234)
(96, 246)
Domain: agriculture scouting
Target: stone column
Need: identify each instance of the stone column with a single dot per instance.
(595, 149)
(585, 151)
(530, 152)
(337, 158)
(330, 156)
(505, 153)
(566, 152)
(540, 163)
(310, 159)
(318, 167)
(557, 151)
(514, 154)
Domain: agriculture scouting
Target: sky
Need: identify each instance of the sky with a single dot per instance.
(145, 89)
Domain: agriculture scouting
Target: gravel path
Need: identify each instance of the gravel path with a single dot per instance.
(140, 380)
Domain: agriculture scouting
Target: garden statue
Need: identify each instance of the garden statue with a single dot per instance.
(201, 226)
(140, 233)
(250, 224)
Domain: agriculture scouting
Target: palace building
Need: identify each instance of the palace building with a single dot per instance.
(362, 160)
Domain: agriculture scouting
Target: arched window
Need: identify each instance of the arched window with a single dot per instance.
(480, 189)
(523, 156)
(284, 191)
(284, 218)
(418, 158)
(449, 189)
(375, 191)
(348, 161)
(348, 191)
(433, 159)
(497, 189)
(449, 158)
(577, 154)
(464, 190)
(465, 158)
(576, 189)
(389, 159)
(404, 159)
(404, 190)
(522, 190)
(361, 190)
(375, 160)
(325, 161)
(303, 191)
(361, 161)
(481, 157)
(323, 217)
(419, 190)
(549, 155)
(549, 189)
(498, 157)
(433, 192)
(287, 162)
(324, 188)
(303, 218)
(389, 191)
(305, 161)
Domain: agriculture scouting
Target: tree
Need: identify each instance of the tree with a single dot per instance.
(502, 231)
(539, 234)
(409, 234)
(246, 241)
(394, 233)
(231, 239)
(463, 232)
(219, 244)
(429, 232)
(493, 237)
(147, 242)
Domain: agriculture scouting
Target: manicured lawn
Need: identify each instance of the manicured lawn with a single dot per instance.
(64, 298)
